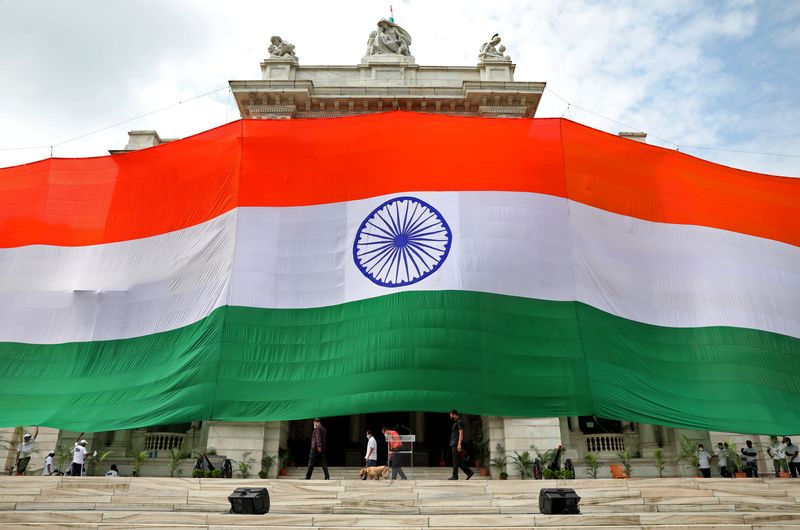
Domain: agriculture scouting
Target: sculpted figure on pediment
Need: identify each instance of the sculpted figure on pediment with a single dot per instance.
(490, 52)
(281, 49)
(389, 38)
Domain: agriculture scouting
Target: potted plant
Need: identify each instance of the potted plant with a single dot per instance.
(735, 465)
(500, 461)
(267, 461)
(176, 457)
(688, 454)
(138, 462)
(625, 459)
(441, 459)
(523, 463)
(658, 456)
(482, 457)
(282, 457)
(592, 465)
(244, 465)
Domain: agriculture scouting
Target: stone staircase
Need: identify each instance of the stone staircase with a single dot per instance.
(184, 503)
(351, 473)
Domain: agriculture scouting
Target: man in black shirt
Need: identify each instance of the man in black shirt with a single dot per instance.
(319, 445)
(456, 439)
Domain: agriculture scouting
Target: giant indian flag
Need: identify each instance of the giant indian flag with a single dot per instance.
(270, 270)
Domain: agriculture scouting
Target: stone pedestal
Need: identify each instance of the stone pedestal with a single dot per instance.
(273, 68)
(647, 439)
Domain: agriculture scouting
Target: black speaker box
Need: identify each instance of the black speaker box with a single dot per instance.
(249, 500)
(557, 501)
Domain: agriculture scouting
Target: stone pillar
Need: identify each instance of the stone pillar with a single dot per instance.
(356, 427)
(418, 425)
(647, 439)
(274, 436)
(522, 434)
(233, 439)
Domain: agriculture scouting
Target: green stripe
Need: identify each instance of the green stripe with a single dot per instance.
(420, 351)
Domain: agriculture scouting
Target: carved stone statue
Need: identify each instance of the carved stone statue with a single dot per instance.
(281, 49)
(489, 52)
(389, 38)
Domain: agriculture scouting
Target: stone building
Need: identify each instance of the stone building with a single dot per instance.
(386, 78)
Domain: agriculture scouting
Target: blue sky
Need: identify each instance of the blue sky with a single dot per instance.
(714, 74)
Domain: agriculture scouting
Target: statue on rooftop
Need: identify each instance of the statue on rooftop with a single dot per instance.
(389, 38)
(490, 53)
(281, 49)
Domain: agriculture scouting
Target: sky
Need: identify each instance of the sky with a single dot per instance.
(690, 73)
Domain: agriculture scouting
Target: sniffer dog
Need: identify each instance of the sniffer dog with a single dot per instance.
(374, 473)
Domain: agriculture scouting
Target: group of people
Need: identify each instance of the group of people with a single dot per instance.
(394, 444)
(79, 457)
(784, 454)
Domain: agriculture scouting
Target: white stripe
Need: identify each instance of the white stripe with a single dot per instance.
(70, 294)
(519, 244)
(533, 246)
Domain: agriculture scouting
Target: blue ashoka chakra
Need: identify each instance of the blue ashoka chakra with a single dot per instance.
(401, 242)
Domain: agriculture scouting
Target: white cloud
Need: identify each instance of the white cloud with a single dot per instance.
(82, 65)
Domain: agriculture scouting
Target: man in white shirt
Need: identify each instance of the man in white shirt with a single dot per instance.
(24, 451)
(792, 453)
(775, 451)
(79, 456)
(113, 471)
(48, 464)
(721, 452)
(703, 461)
(371, 458)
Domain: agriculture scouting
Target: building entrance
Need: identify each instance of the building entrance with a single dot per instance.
(347, 440)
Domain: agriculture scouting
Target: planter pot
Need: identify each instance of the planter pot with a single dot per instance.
(484, 471)
(785, 474)
(740, 474)
(282, 472)
(503, 476)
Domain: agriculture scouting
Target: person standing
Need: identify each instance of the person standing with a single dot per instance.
(775, 452)
(25, 450)
(721, 452)
(49, 468)
(319, 445)
(703, 461)
(792, 453)
(371, 458)
(393, 445)
(79, 456)
(750, 459)
(456, 439)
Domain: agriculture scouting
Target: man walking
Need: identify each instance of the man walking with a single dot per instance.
(371, 458)
(319, 444)
(456, 439)
(393, 445)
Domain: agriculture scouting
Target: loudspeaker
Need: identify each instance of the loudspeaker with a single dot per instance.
(249, 500)
(558, 501)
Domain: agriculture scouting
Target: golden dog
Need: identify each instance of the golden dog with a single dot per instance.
(374, 473)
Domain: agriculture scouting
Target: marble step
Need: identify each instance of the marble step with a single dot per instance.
(397, 520)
